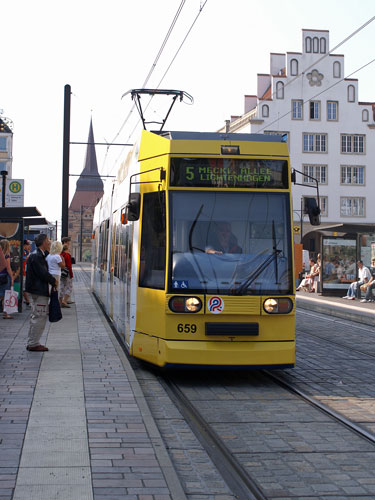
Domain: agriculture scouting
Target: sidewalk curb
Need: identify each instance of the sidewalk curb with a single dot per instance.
(343, 311)
(170, 474)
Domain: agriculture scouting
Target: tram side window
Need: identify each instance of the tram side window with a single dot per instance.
(104, 230)
(153, 242)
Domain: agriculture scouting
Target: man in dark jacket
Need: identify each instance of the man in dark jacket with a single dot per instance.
(37, 280)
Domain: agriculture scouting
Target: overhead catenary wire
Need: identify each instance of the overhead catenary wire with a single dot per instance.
(328, 53)
(153, 66)
(172, 61)
(164, 75)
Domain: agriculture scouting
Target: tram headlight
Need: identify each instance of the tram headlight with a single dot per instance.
(193, 304)
(281, 305)
(180, 304)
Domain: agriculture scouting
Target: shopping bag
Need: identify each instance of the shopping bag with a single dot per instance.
(10, 301)
(54, 314)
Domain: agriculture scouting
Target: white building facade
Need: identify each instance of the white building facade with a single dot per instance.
(331, 134)
(6, 145)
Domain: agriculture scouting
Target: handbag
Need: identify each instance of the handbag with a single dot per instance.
(3, 279)
(10, 301)
(64, 272)
(54, 313)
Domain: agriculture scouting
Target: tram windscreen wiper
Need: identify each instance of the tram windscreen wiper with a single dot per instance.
(191, 248)
(261, 267)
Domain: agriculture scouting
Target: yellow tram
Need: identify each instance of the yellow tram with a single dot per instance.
(193, 250)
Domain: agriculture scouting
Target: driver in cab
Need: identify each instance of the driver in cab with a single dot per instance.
(224, 241)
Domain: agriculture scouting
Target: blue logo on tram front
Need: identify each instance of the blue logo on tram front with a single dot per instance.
(180, 284)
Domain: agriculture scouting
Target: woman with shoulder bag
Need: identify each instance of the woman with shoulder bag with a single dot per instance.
(6, 275)
(66, 285)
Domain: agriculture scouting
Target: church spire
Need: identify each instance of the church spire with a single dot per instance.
(89, 179)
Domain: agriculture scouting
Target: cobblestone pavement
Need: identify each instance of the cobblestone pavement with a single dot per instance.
(74, 424)
(136, 439)
(292, 449)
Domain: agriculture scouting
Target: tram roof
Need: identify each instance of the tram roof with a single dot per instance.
(217, 136)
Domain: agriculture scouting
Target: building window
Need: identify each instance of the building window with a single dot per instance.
(354, 175)
(294, 67)
(314, 143)
(318, 172)
(308, 44)
(353, 144)
(323, 45)
(351, 93)
(314, 110)
(265, 111)
(279, 90)
(336, 69)
(352, 207)
(365, 115)
(332, 110)
(316, 45)
(3, 143)
(323, 204)
(297, 110)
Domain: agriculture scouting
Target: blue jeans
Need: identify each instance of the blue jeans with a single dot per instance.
(355, 289)
(368, 291)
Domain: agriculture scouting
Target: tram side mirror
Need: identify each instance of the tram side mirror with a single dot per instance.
(133, 207)
(313, 211)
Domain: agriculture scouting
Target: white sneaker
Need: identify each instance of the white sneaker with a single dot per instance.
(364, 300)
(345, 297)
(351, 298)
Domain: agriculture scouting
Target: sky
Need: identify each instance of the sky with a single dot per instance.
(103, 49)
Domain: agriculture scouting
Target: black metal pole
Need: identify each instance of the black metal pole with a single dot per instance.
(66, 150)
(301, 218)
(4, 174)
(80, 237)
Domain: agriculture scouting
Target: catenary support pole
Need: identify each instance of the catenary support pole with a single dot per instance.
(66, 151)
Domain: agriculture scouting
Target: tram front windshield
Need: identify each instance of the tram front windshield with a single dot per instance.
(233, 243)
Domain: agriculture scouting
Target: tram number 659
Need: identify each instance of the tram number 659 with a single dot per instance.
(186, 328)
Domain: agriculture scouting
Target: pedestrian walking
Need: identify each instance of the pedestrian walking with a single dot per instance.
(37, 280)
(6, 275)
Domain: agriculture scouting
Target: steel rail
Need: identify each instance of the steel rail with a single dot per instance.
(338, 417)
(242, 485)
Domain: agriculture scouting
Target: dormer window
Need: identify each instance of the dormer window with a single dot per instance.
(351, 93)
(316, 45)
(323, 45)
(308, 44)
(294, 67)
(279, 90)
(336, 70)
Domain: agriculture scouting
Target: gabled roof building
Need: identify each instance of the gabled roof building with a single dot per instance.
(331, 134)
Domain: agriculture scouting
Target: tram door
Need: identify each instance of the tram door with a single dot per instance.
(128, 248)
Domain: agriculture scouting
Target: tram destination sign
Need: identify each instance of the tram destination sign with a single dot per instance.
(229, 173)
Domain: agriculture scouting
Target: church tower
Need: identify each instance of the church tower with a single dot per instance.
(89, 190)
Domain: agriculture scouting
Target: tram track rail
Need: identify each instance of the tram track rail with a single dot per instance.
(240, 482)
(336, 416)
